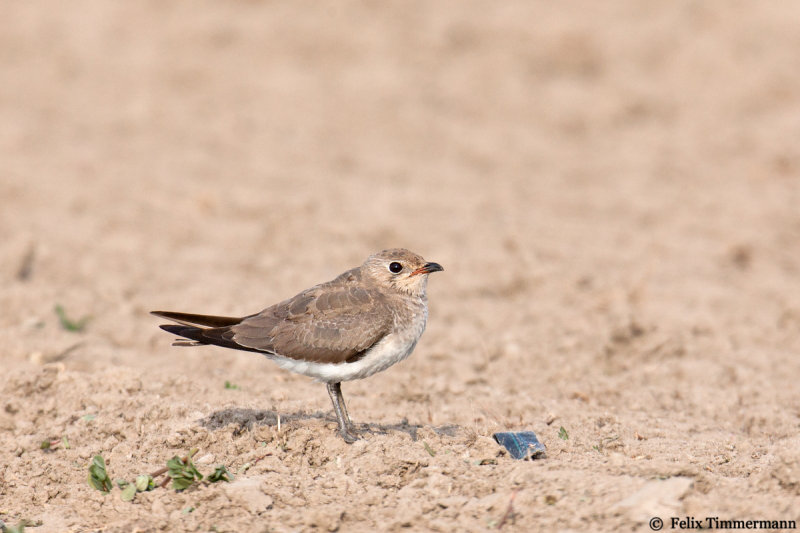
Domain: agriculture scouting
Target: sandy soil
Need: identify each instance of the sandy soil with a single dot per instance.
(613, 189)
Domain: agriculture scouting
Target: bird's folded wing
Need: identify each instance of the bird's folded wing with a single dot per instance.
(325, 324)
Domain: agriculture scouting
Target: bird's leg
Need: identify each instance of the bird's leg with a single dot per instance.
(338, 387)
(345, 426)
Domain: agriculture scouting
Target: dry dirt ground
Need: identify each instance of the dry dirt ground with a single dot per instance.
(613, 189)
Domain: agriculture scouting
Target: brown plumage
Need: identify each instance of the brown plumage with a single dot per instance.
(361, 322)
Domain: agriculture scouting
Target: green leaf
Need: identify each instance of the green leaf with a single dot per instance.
(183, 473)
(128, 493)
(19, 528)
(99, 484)
(562, 433)
(144, 483)
(65, 442)
(231, 386)
(98, 477)
(69, 324)
(121, 483)
(180, 483)
(220, 474)
(429, 449)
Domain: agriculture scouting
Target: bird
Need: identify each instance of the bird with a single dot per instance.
(360, 323)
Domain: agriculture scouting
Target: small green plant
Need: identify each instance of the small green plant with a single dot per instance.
(68, 323)
(98, 477)
(19, 528)
(180, 470)
(562, 433)
(429, 449)
(128, 493)
(231, 386)
(183, 472)
(144, 483)
(220, 474)
(51, 444)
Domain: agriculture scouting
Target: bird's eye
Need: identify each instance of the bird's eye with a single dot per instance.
(395, 267)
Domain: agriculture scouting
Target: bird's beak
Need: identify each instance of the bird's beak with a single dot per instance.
(427, 268)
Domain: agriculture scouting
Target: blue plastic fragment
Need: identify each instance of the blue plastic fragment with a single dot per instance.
(521, 444)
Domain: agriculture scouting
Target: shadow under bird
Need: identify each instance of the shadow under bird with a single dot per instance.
(362, 322)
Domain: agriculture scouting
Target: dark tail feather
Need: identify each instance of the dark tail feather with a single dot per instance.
(200, 320)
(216, 336)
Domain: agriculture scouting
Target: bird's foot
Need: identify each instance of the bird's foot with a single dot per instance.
(349, 435)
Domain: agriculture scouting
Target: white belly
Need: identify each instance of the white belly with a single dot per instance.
(390, 350)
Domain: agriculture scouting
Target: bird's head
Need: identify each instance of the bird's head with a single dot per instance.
(401, 270)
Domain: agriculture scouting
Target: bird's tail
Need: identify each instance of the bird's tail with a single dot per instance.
(189, 327)
(191, 319)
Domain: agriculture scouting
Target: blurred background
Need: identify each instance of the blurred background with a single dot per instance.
(613, 189)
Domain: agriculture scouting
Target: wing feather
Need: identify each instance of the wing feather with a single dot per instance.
(326, 324)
